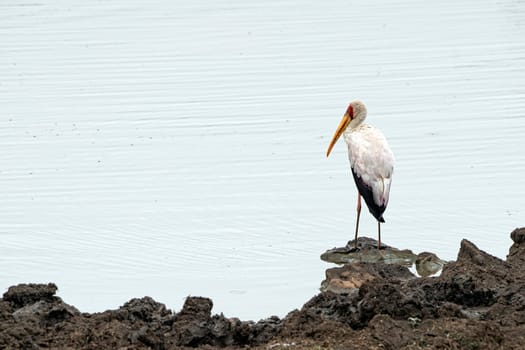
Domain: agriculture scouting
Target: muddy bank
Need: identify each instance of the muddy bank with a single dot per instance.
(478, 302)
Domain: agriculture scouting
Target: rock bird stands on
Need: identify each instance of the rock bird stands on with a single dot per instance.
(371, 161)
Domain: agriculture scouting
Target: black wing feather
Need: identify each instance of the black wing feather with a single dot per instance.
(366, 192)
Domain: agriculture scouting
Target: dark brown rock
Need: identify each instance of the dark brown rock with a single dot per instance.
(26, 294)
(195, 326)
(192, 324)
(351, 277)
(476, 278)
(518, 235)
(516, 254)
(145, 309)
(48, 313)
(388, 332)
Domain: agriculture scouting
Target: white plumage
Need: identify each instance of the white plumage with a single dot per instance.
(371, 161)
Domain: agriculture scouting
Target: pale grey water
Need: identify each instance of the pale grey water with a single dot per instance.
(174, 148)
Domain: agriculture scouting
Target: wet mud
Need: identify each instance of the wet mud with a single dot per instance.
(478, 302)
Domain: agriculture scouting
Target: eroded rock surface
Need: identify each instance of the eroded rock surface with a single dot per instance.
(350, 277)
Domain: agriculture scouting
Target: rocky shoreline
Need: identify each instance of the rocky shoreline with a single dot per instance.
(478, 302)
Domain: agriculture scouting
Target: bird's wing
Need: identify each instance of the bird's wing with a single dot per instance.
(372, 161)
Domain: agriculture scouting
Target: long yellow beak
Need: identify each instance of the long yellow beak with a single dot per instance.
(338, 132)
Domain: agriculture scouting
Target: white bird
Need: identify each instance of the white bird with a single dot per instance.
(371, 161)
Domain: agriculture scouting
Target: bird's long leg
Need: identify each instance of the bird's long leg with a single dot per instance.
(358, 214)
(379, 235)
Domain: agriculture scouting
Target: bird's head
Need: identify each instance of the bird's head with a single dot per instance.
(355, 114)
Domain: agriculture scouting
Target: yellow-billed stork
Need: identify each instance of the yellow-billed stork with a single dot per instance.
(371, 161)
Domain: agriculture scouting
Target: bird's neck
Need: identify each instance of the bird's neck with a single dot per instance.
(356, 124)
(347, 134)
(357, 121)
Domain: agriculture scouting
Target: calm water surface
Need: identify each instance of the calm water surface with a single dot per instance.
(178, 148)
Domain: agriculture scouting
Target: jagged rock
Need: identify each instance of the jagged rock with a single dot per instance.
(26, 294)
(350, 277)
(518, 235)
(392, 334)
(516, 254)
(145, 309)
(192, 324)
(475, 278)
(195, 326)
(49, 313)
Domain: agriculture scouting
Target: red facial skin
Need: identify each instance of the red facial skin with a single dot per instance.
(350, 111)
